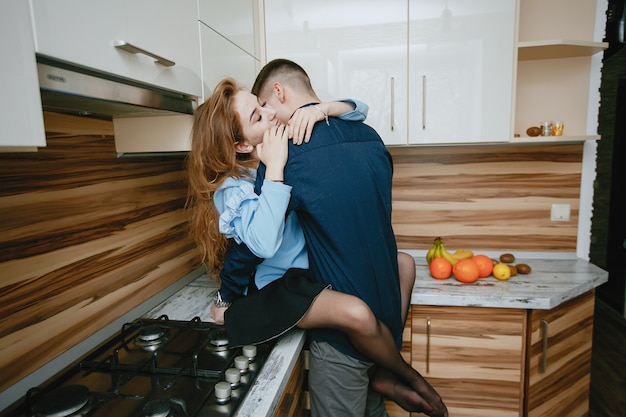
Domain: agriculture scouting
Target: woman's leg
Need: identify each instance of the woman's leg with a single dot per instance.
(406, 268)
(350, 314)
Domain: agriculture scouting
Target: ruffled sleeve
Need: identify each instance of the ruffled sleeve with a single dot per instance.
(256, 220)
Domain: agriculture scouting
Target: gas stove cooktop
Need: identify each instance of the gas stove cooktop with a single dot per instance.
(153, 368)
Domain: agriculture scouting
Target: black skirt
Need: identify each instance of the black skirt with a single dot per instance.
(272, 310)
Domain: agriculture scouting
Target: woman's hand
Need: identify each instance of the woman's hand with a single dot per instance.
(273, 152)
(217, 314)
(302, 122)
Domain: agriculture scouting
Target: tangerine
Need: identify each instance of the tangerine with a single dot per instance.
(466, 271)
(485, 265)
(440, 268)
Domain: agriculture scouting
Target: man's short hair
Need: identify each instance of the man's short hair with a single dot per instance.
(284, 71)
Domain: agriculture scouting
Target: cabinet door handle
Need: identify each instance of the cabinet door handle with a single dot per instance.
(423, 102)
(427, 344)
(543, 360)
(125, 46)
(393, 98)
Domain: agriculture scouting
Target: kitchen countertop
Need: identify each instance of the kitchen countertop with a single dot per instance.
(551, 283)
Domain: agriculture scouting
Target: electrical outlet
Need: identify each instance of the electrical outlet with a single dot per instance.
(560, 212)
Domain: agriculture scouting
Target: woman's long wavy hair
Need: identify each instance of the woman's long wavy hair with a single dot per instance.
(216, 129)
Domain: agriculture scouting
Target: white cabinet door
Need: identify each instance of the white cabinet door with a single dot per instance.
(221, 59)
(86, 33)
(349, 48)
(82, 32)
(20, 108)
(236, 20)
(170, 30)
(461, 57)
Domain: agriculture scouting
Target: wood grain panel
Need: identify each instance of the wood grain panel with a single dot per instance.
(472, 356)
(85, 237)
(563, 389)
(486, 197)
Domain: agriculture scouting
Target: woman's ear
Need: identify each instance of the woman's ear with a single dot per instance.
(243, 146)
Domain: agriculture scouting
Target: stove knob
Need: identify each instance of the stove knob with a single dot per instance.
(232, 376)
(249, 351)
(222, 392)
(241, 363)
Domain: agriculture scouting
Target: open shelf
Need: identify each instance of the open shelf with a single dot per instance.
(550, 49)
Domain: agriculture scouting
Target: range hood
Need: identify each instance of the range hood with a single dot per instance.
(146, 119)
(70, 88)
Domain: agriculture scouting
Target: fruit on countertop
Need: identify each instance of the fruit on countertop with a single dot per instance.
(523, 268)
(440, 268)
(501, 271)
(513, 270)
(439, 251)
(507, 258)
(466, 271)
(463, 254)
(485, 266)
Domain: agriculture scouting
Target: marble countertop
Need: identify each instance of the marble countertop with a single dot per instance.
(551, 283)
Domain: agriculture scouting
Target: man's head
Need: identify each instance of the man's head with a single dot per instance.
(284, 86)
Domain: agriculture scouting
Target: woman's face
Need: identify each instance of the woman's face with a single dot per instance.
(255, 118)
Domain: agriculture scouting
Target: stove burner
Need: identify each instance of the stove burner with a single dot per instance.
(63, 401)
(157, 408)
(150, 338)
(219, 343)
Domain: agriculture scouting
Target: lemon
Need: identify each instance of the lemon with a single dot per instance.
(501, 271)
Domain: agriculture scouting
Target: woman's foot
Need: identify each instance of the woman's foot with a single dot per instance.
(389, 386)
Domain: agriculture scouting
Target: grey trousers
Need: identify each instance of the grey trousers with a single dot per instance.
(339, 385)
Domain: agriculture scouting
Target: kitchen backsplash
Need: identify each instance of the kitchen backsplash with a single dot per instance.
(87, 236)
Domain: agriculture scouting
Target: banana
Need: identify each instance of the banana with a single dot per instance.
(430, 255)
(446, 255)
(462, 254)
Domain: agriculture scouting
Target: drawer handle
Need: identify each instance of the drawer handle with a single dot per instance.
(125, 46)
(428, 345)
(543, 360)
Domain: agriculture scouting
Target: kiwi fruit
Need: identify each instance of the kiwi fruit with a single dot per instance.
(523, 268)
(507, 258)
(513, 270)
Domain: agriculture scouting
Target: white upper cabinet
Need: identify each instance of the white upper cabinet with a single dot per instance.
(230, 41)
(236, 20)
(461, 66)
(153, 41)
(349, 48)
(432, 71)
(20, 108)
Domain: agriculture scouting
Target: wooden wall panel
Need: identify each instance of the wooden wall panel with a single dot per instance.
(486, 197)
(85, 237)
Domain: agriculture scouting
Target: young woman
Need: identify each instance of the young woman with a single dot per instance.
(229, 129)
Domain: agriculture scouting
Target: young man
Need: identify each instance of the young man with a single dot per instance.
(341, 193)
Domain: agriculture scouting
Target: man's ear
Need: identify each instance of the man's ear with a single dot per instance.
(243, 146)
(279, 92)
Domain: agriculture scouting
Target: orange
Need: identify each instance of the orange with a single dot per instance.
(501, 271)
(440, 268)
(485, 265)
(466, 271)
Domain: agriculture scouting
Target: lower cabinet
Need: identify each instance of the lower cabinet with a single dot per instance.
(292, 403)
(504, 362)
